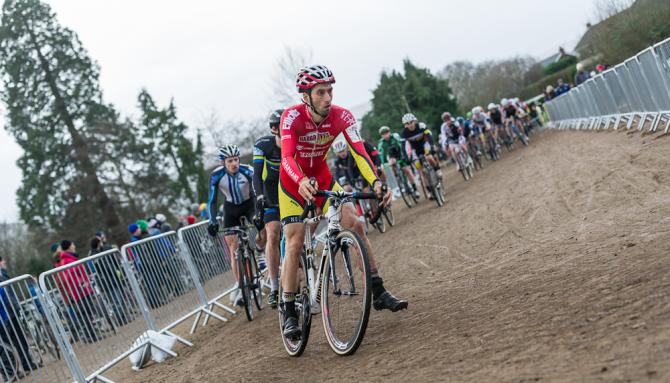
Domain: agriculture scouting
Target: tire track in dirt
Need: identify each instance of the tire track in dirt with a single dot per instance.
(550, 265)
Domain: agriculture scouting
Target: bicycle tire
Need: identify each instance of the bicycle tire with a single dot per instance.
(243, 283)
(388, 214)
(295, 348)
(256, 282)
(404, 190)
(349, 347)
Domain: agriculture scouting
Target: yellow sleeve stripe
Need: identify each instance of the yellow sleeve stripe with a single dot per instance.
(364, 166)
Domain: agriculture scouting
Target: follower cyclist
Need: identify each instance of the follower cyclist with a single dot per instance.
(235, 183)
(391, 151)
(267, 156)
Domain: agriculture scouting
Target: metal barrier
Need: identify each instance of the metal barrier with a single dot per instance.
(636, 91)
(164, 274)
(98, 315)
(29, 347)
(211, 258)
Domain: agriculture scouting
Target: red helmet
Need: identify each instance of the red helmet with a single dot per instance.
(309, 76)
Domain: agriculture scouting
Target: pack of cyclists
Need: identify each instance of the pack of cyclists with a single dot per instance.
(290, 165)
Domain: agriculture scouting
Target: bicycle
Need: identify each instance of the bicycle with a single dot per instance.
(406, 189)
(370, 209)
(476, 150)
(492, 146)
(341, 278)
(249, 278)
(463, 159)
(434, 186)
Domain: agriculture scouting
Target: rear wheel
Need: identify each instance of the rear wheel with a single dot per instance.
(346, 294)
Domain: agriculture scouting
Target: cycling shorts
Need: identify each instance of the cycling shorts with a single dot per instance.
(291, 203)
(232, 213)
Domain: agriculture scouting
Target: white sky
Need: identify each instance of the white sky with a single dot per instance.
(220, 55)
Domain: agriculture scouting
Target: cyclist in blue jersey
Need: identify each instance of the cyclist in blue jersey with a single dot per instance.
(234, 181)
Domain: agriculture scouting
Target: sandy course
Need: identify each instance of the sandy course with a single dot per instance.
(551, 265)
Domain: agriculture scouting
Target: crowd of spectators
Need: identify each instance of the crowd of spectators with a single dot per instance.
(581, 76)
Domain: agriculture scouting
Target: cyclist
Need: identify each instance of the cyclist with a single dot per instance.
(513, 120)
(308, 130)
(235, 183)
(448, 133)
(391, 151)
(346, 167)
(267, 156)
(420, 140)
(480, 125)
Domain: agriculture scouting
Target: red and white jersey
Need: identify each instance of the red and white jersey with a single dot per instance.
(305, 144)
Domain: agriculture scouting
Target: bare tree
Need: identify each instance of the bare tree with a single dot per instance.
(283, 80)
(604, 9)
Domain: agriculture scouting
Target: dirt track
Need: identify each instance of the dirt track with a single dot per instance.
(551, 265)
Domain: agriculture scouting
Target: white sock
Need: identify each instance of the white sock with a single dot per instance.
(274, 284)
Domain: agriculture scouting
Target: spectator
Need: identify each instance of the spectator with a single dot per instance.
(549, 93)
(108, 279)
(153, 227)
(101, 244)
(561, 88)
(144, 227)
(190, 219)
(135, 232)
(11, 331)
(75, 288)
(600, 68)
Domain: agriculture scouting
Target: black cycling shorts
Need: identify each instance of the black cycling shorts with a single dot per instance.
(232, 213)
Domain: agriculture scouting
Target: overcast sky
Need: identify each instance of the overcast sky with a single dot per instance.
(220, 55)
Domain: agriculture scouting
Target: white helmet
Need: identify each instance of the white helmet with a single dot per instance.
(339, 146)
(504, 102)
(492, 106)
(228, 151)
(160, 218)
(407, 118)
(476, 110)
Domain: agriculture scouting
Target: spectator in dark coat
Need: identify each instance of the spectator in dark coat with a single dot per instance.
(581, 75)
(561, 88)
(11, 331)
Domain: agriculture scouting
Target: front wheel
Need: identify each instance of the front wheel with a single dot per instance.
(256, 281)
(388, 214)
(295, 347)
(346, 293)
(244, 282)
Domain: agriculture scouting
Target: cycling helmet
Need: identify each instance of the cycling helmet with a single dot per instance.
(228, 151)
(468, 115)
(407, 118)
(504, 102)
(466, 123)
(445, 114)
(476, 110)
(309, 76)
(384, 129)
(339, 146)
(460, 119)
(275, 117)
(492, 106)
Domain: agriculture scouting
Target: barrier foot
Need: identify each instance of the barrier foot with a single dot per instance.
(180, 339)
(225, 308)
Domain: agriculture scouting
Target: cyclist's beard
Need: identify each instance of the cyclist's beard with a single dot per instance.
(315, 110)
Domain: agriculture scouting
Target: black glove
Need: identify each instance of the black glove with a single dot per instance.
(213, 229)
(260, 203)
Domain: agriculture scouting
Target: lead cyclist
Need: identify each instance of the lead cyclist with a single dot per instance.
(308, 130)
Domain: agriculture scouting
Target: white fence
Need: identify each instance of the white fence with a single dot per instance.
(633, 93)
(85, 317)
